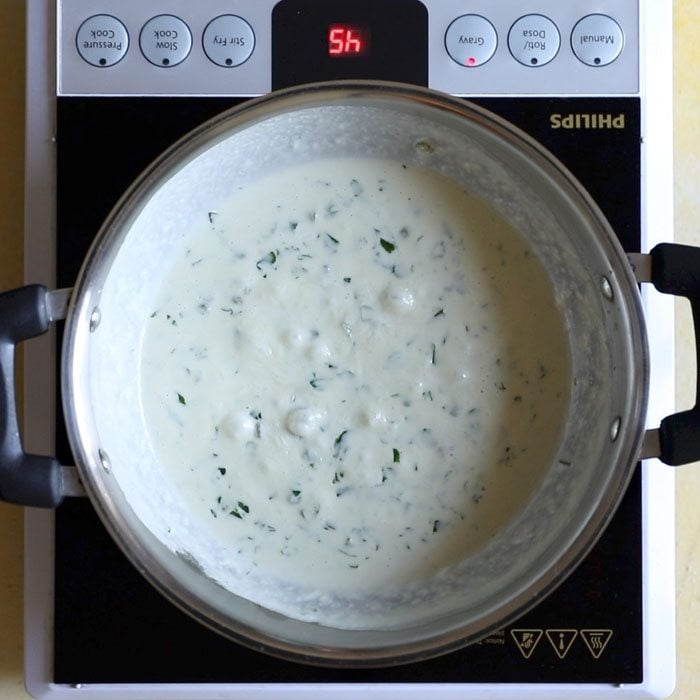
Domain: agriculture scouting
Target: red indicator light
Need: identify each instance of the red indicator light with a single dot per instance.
(471, 61)
(346, 40)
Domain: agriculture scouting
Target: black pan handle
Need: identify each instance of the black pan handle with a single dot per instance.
(26, 479)
(675, 269)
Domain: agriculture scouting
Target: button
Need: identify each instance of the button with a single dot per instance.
(534, 40)
(597, 40)
(165, 41)
(228, 41)
(102, 40)
(471, 40)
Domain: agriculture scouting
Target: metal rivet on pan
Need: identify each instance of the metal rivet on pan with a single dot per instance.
(424, 146)
(606, 288)
(615, 428)
(104, 460)
(95, 318)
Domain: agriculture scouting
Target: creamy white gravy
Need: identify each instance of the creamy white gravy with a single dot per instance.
(355, 374)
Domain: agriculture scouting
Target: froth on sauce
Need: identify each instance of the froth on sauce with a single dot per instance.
(355, 374)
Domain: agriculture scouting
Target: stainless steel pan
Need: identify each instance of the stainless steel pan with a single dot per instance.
(604, 436)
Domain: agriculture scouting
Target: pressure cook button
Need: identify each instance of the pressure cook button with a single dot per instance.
(228, 41)
(165, 41)
(102, 40)
(471, 40)
(534, 40)
(597, 40)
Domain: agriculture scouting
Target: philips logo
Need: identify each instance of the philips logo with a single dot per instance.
(587, 121)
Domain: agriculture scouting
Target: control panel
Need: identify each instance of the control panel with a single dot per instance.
(248, 47)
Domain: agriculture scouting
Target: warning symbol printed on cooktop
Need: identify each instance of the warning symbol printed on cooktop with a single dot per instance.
(561, 640)
(526, 640)
(596, 641)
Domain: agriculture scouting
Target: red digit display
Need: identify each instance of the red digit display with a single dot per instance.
(347, 40)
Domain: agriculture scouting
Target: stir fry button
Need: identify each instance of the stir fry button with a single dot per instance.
(228, 41)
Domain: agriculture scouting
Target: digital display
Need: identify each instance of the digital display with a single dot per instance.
(348, 40)
(318, 40)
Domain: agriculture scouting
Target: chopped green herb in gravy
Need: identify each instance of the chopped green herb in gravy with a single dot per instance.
(355, 374)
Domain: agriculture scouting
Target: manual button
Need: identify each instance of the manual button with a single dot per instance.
(471, 40)
(165, 41)
(597, 40)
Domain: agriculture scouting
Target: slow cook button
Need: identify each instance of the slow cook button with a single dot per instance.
(597, 40)
(534, 40)
(471, 40)
(102, 40)
(165, 41)
(228, 41)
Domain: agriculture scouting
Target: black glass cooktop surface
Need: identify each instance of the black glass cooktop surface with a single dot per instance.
(112, 627)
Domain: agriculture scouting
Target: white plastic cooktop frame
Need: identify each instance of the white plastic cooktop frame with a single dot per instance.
(655, 91)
